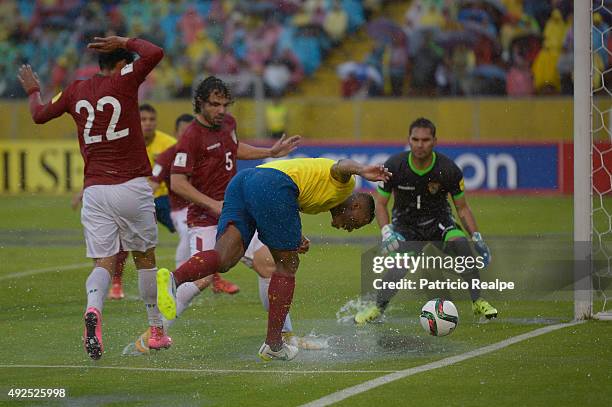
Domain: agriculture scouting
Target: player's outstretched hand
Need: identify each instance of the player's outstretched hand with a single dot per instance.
(285, 146)
(375, 173)
(304, 245)
(108, 44)
(28, 78)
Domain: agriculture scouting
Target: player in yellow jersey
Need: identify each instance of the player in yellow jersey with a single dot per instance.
(157, 142)
(269, 199)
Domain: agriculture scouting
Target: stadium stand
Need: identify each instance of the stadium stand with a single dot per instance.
(283, 40)
(474, 47)
(436, 48)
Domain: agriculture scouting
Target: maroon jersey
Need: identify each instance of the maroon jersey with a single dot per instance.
(105, 110)
(208, 156)
(161, 173)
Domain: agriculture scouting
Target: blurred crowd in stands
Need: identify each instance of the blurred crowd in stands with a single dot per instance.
(440, 47)
(477, 47)
(281, 41)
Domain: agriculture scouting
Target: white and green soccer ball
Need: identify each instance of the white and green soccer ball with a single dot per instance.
(439, 317)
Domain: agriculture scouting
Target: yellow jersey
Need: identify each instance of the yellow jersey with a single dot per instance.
(276, 117)
(319, 191)
(161, 142)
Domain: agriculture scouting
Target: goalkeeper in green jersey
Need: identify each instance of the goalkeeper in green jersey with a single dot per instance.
(421, 182)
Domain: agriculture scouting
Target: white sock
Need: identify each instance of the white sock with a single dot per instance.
(264, 284)
(97, 286)
(184, 295)
(147, 285)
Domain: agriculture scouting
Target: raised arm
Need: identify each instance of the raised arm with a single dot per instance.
(150, 54)
(41, 113)
(281, 148)
(343, 169)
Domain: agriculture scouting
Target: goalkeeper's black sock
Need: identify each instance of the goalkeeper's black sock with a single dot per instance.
(383, 297)
(461, 247)
(469, 277)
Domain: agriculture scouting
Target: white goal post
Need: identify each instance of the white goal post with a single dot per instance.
(583, 287)
(592, 215)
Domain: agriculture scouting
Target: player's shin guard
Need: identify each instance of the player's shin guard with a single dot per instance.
(383, 297)
(147, 286)
(97, 286)
(264, 284)
(280, 296)
(200, 265)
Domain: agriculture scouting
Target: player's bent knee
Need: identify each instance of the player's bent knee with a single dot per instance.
(228, 260)
(459, 246)
(230, 248)
(144, 260)
(264, 266)
(107, 263)
(286, 261)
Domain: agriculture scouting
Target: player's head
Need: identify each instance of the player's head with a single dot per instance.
(422, 138)
(355, 212)
(148, 120)
(211, 101)
(117, 59)
(181, 124)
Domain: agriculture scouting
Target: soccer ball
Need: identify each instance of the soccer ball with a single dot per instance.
(439, 317)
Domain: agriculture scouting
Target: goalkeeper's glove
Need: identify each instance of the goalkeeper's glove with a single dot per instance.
(481, 247)
(390, 239)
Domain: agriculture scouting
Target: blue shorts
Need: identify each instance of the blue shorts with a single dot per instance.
(266, 200)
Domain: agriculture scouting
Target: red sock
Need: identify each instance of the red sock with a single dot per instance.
(119, 265)
(280, 295)
(200, 265)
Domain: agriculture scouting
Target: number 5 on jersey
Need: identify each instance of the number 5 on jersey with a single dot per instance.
(229, 163)
(111, 134)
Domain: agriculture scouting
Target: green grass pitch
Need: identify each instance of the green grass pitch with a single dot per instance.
(213, 360)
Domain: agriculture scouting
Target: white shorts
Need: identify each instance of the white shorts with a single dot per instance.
(119, 215)
(204, 238)
(179, 219)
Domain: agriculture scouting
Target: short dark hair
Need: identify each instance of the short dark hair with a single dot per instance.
(423, 123)
(108, 60)
(185, 117)
(146, 107)
(366, 200)
(206, 88)
(369, 202)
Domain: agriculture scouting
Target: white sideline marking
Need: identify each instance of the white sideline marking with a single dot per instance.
(178, 370)
(371, 384)
(43, 270)
(56, 268)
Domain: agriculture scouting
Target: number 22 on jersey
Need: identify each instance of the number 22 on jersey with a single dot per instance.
(111, 134)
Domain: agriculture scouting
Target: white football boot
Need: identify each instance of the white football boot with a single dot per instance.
(287, 352)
